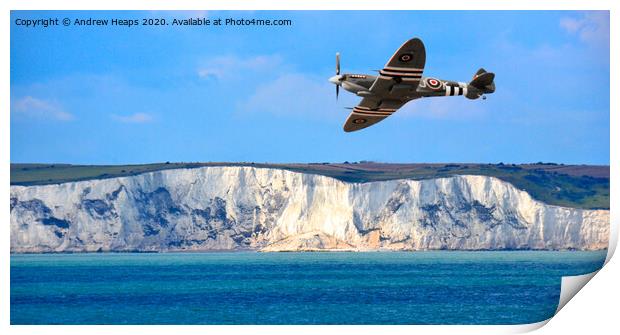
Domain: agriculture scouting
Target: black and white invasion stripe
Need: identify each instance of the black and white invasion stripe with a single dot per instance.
(373, 112)
(452, 90)
(405, 73)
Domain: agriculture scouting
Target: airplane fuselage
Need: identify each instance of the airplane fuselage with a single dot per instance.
(360, 85)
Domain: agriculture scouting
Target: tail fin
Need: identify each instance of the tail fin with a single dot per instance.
(483, 81)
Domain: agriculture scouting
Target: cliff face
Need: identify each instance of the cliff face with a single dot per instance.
(228, 208)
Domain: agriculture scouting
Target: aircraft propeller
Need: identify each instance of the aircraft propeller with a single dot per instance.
(337, 91)
(337, 63)
(338, 78)
(337, 72)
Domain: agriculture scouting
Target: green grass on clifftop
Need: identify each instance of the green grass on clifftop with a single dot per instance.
(580, 186)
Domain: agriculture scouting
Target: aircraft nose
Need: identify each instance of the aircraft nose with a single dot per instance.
(335, 80)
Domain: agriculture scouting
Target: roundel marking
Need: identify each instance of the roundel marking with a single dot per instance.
(360, 121)
(405, 58)
(433, 83)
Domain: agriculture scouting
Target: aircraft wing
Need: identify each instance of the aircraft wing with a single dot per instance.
(371, 111)
(391, 89)
(405, 66)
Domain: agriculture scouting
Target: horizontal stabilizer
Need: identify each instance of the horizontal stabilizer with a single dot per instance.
(482, 83)
(482, 79)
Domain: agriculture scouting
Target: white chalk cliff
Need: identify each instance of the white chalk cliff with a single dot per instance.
(245, 208)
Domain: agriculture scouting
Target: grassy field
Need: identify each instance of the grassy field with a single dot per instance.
(581, 186)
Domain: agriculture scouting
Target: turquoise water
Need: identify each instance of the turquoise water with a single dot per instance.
(443, 287)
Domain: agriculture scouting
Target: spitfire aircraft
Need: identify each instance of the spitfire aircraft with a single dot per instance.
(399, 82)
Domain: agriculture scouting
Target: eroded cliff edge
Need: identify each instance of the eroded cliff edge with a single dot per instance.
(245, 208)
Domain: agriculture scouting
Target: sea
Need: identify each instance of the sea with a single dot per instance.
(430, 287)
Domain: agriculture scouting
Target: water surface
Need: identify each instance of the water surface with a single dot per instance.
(439, 287)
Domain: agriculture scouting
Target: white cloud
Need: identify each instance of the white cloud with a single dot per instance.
(224, 67)
(295, 95)
(592, 27)
(444, 108)
(39, 108)
(133, 118)
(301, 96)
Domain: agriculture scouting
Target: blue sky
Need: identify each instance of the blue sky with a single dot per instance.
(114, 95)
